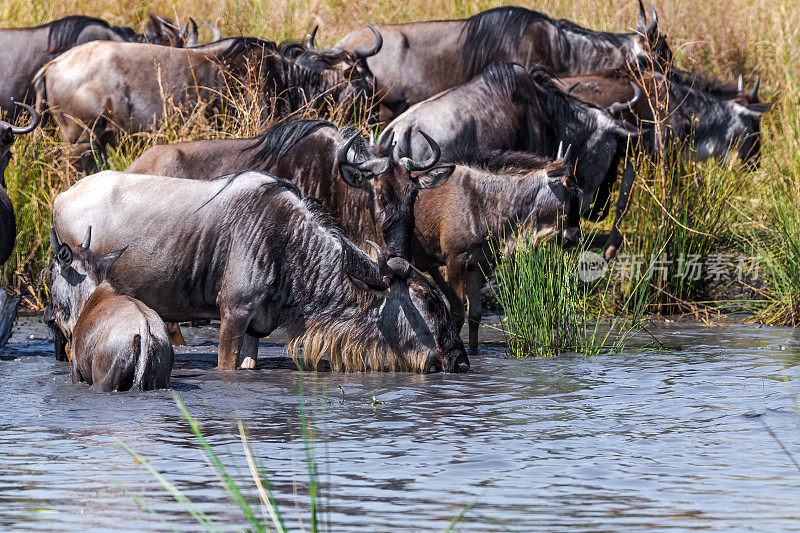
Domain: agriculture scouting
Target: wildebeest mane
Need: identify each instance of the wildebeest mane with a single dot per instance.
(64, 32)
(241, 45)
(502, 77)
(273, 144)
(487, 33)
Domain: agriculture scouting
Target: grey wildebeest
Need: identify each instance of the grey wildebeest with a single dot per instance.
(26, 50)
(371, 196)
(117, 343)
(99, 89)
(8, 223)
(248, 249)
(707, 124)
(507, 108)
(461, 224)
(421, 59)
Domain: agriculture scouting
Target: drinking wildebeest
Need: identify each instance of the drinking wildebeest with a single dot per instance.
(8, 222)
(370, 196)
(421, 59)
(26, 50)
(460, 225)
(702, 124)
(248, 249)
(507, 108)
(99, 89)
(117, 343)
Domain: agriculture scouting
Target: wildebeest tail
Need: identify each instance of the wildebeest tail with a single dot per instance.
(144, 350)
(40, 87)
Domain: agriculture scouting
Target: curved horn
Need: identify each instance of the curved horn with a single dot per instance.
(341, 155)
(363, 53)
(571, 87)
(754, 92)
(35, 119)
(566, 154)
(88, 239)
(641, 22)
(653, 26)
(311, 37)
(560, 150)
(55, 244)
(381, 257)
(362, 270)
(740, 85)
(617, 107)
(216, 35)
(410, 164)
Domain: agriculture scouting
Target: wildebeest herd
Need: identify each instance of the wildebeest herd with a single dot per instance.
(504, 120)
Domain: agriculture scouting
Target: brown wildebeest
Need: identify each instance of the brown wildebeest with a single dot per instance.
(705, 124)
(460, 225)
(99, 89)
(249, 250)
(507, 108)
(8, 222)
(26, 50)
(117, 343)
(421, 59)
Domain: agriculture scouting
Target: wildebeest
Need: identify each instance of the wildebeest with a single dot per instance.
(719, 123)
(248, 249)
(8, 223)
(370, 196)
(26, 50)
(507, 108)
(421, 59)
(461, 224)
(117, 343)
(99, 89)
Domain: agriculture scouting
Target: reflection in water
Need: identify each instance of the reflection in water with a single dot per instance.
(646, 440)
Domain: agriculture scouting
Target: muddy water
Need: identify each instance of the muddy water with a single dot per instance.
(670, 440)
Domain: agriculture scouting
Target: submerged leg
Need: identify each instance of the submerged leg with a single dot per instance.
(231, 335)
(175, 335)
(248, 356)
(472, 289)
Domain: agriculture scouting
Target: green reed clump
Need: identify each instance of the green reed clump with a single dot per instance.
(547, 294)
(681, 213)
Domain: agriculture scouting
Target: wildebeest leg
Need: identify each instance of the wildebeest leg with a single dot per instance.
(8, 314)
(175, 335)
(231, 335)
(248, 355)
(455, 294)
(473, 280)
(59, 344)
(601, 203)
(615, 238)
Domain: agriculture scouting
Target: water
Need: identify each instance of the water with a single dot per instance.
(671, 440)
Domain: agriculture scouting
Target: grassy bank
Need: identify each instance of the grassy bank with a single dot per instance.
(688, 210)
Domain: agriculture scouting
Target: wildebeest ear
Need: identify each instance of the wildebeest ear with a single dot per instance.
(434, 177)
(190, 33)
(758, 109)
(625, 129)
(353, 177)
(104, 263)
(557, 186)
